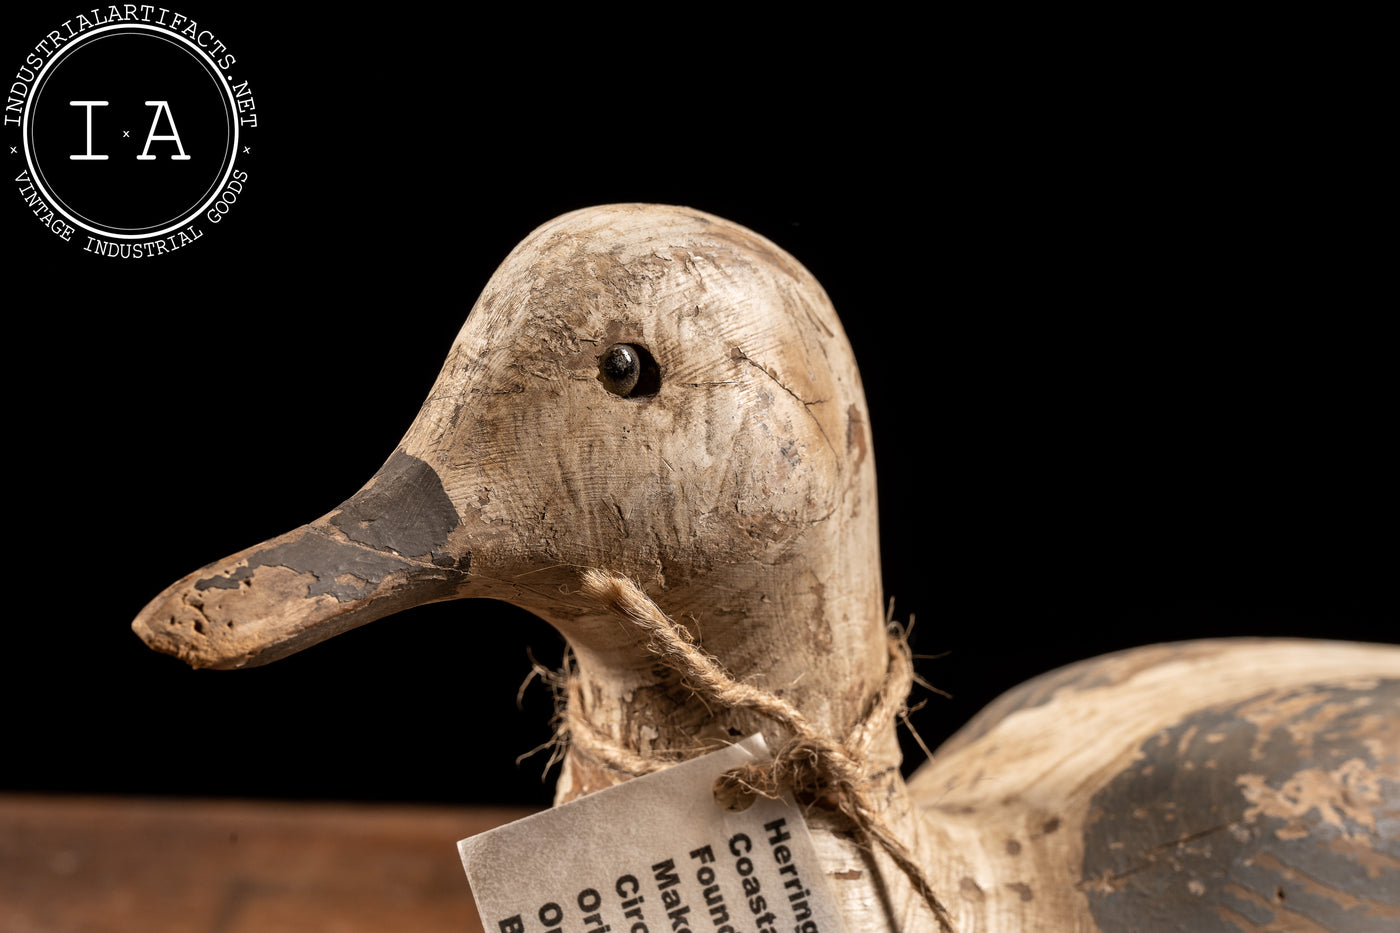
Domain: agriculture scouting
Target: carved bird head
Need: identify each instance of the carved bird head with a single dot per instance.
(644, 389)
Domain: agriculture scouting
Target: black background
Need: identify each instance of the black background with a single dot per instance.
(1123, 385)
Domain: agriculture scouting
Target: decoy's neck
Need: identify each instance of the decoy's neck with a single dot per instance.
(809, 630)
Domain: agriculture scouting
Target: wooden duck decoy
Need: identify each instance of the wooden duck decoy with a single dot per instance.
(660, 394)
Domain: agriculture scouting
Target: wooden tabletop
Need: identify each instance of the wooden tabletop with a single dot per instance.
(131, 864)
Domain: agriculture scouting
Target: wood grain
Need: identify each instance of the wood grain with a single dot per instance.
(74, 865)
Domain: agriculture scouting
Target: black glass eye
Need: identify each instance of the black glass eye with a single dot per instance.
(628, 370)
(620, 368)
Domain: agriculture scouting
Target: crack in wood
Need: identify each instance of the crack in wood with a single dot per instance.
(806, 405)
(1114, 881)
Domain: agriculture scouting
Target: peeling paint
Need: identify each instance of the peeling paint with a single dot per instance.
(403, 509)
(326, 562)
(402, 515)
(1286, 831)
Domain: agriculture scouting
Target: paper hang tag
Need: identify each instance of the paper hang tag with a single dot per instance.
(655, 855)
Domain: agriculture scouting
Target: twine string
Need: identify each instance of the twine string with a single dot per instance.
(809, 760)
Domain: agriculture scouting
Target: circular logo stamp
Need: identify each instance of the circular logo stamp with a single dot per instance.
(131, 121)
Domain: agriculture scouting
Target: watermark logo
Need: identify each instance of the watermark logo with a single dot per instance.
(126, 125)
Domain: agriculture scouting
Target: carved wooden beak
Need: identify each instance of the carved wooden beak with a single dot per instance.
(387, 548)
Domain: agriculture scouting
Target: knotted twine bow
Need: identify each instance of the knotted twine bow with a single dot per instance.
(807, 761)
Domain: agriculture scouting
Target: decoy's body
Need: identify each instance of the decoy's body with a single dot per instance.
(659, 393)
